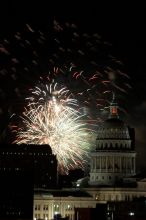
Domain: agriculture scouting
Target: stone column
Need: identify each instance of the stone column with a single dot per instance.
(131, 168)
(129, 164)
(134, 164)
(106, 164)
(100, 163)
(95, 162)
(52, 213)
(113, 163)
(126, 163)
(120, 165)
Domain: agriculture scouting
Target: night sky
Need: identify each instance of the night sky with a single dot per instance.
(121, 25)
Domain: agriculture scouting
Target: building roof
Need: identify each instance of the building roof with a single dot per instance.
(113, 128)
(62, 193)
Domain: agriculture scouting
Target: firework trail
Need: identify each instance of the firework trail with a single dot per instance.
(52, 117)
(88, 58)
(81, 61)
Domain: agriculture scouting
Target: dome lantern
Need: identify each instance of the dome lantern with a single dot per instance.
(113, 108)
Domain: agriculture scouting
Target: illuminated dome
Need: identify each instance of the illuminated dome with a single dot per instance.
(113, 128)
(114, 157)
(113, 134)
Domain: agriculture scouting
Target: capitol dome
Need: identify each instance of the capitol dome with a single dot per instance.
(114, 157)
(113, 134)
(113, 128)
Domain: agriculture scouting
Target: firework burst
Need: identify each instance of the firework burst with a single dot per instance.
(83, 62)
(52, 117)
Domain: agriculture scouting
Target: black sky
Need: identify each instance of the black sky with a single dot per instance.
(121, 24)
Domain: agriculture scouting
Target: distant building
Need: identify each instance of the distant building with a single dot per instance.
(48, 204)
(16, 186)
(44, 165)
(21, 169)
(40, 158)
(67, 201)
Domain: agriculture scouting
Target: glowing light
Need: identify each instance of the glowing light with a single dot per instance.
(114, 110)
(131, 213)
(53, 117)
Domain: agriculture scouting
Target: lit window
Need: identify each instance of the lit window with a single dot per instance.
(56, 207)
(69, 207)
(131, 213)
(97, 197)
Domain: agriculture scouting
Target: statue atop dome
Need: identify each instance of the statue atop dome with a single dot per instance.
(113, 108)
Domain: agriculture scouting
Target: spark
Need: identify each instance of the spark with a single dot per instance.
(82, 61)
(53, 117)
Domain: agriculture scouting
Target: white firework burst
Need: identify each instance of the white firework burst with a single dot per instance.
(52, 117)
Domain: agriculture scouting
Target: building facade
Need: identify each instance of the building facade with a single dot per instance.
(48, 204)
(16, 185)
(21, 169)
(63, 202)
(39, 159)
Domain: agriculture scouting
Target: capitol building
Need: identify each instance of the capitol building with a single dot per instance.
(112, 175)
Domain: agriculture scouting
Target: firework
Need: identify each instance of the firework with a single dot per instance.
(79, 60)
(52, 117)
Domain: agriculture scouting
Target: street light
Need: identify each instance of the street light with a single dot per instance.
(131, 213)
